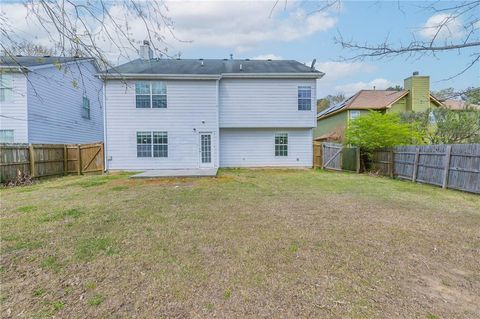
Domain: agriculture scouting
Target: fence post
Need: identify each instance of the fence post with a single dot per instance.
(415, 164)
(357, 158)
(103, 157)
(65, 160)
(79, 160)
(392, 163)
(323, 156)
(31, 152)
(448, 152)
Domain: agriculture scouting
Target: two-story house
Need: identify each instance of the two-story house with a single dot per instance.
(50, 100)
(415, 97)
(208, 113)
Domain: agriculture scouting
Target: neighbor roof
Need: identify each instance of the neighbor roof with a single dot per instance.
(32, 61)
(210, 67)
(366, 100)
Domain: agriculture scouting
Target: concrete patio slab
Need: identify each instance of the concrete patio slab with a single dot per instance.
(159, 173)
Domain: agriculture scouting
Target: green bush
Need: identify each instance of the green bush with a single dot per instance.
(379, 130)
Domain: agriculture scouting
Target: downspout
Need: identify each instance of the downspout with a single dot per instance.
(105, 148)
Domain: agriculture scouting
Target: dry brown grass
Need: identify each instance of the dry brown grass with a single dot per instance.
(250, 243)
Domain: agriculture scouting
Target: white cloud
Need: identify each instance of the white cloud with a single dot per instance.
(243, 25)
(443, 26)
(352, 88)
(267, 56)
(338, 70)
(239, 25)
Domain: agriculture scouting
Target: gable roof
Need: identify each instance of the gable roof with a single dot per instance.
(210, 67)
(35, 61)
(366, 100)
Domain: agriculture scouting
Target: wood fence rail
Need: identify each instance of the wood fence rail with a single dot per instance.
(455, 166)
(39, 160)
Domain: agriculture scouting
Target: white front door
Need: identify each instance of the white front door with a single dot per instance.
(206, 154)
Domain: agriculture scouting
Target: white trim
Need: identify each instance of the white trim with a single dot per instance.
(105, 159)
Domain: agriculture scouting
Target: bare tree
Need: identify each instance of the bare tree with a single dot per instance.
(93, 28)
(463, 16)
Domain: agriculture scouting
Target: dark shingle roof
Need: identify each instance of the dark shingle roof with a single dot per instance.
(30, 61)
(210, 66)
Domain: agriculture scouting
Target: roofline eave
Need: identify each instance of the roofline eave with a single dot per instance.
(313, 75)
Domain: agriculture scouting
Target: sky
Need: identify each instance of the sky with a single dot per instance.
(296, 29)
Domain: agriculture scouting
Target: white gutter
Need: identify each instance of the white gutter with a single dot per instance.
(312, 75)
(160, 76)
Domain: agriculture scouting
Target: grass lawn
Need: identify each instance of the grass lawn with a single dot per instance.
(250, 243)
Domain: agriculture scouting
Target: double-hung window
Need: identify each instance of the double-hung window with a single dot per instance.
(150, 94)
(152, 144)
(281, 144)
(6, 136)
(304, 98)
(6, 87)
(86, 108)
(354, 114)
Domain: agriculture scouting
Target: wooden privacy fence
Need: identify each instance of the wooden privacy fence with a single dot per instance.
(39, 160)
(455, 166)
(336, 157)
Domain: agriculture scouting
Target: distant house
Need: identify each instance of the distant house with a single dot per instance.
(209, 113)
(458, 105)
(50, 100)
(416, 96)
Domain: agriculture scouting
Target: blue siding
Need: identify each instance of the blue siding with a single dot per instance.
(55, 98)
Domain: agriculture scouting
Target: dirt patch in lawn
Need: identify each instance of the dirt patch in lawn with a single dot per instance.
(249, 244)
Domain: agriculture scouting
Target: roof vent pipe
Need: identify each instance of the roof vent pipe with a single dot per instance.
(312, 67)
(201, 62)
(241, 67)
(231, 56)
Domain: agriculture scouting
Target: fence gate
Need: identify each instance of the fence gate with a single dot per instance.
(332, 156)
(91, 158)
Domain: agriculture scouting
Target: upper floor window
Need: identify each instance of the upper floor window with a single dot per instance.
(6, 136)
(354, 114)
(281, 144)
(152, 144)
(150, 94)
(86, 108)
(6, 87)
(304, 98)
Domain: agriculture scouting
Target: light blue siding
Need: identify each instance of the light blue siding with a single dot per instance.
(14, 109)
(256, 148)
(55, 99)
(264, 103)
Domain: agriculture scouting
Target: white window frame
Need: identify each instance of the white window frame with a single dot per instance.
(152, 151)
(3, 135)
(86, 109)
(354, 114)
(6, 87)
(151, 94)
(302, 98)
(281, 149)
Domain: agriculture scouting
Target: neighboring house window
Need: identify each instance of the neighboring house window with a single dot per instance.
(354, 114)
(152, 144)
(281, 144)
(150, 94)
(6, 87)
(86, 108)
(304, 98)
(6, 136)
